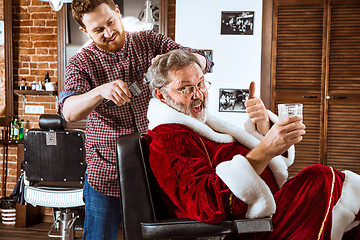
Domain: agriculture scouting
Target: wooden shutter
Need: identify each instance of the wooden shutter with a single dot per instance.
(343, 138)
(343, 131)
(298, 70)
(299, 47)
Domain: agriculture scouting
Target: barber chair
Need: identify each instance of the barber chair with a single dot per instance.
(54, 171)
(143, 214)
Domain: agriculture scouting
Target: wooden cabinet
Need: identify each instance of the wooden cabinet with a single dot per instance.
(26, 215)
(316, 61)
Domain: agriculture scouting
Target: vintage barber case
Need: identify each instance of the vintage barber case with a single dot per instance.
(54, 156)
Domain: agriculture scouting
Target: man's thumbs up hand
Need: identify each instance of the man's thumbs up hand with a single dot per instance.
(252, 90)
(256, 110)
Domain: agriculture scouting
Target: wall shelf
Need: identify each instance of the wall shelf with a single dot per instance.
(23, 93)
(8, 142)
(33, 92)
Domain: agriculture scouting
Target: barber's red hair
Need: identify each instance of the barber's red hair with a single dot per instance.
(80, 7)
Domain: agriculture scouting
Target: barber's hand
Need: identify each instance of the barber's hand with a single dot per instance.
(283, 134)
(256, 110)
(117, 91)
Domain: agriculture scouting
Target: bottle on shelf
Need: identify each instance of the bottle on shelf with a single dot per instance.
(22, 129)
(10, 131)
(22, 84)
(49, 86)
(33, 86)
(47, 77)
(16, 130)
(28, 86)
(39, 86)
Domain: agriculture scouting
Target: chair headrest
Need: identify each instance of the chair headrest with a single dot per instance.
(52, 122)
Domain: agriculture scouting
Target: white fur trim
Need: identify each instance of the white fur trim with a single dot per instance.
(247, 185)
(238, 133)
(279, 169)
(347, 207)
(160, 113)
(291, 156)
(250, 127)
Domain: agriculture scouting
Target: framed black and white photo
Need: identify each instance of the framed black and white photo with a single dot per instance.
(232, 100)
(240, 22)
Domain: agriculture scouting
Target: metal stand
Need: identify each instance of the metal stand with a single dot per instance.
(65, 222)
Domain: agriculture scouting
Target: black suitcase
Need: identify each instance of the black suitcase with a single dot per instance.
(54, 156)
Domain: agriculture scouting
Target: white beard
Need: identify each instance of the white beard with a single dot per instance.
(183, 109)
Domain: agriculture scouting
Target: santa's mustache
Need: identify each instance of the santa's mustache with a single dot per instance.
(196, 102)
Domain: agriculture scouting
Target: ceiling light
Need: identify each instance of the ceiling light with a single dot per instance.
(56, 4)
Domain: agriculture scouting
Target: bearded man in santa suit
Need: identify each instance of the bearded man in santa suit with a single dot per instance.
(209, 170)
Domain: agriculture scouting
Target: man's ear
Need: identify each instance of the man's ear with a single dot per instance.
(160, 95)
(117, 9)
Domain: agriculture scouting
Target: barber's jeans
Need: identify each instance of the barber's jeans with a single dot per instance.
(102, 215)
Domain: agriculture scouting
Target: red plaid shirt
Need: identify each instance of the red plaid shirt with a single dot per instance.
(93, 67)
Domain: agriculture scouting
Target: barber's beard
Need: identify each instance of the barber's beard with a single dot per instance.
(187, 110)
(115, 46)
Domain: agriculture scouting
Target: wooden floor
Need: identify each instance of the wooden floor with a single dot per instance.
(36, 232)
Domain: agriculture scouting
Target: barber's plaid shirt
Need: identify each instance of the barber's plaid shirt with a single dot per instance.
(93, 67)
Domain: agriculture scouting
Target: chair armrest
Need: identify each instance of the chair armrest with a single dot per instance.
(254, 225)
(172, 228)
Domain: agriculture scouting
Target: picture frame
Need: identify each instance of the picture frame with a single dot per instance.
(237, 23)
(233, 100)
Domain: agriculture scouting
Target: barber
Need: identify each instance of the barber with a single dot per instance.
(104, 84)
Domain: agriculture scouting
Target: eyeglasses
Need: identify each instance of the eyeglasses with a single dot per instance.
(189, 91)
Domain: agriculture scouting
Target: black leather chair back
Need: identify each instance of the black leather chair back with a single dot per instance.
(137, 207)
(50, 150)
